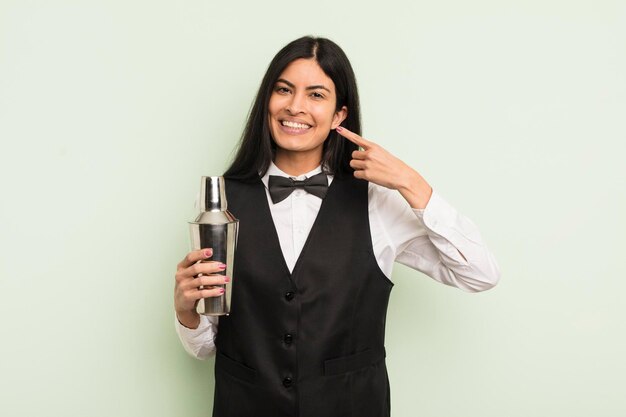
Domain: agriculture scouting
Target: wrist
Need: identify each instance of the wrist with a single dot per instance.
(189, 319)
(415, 190)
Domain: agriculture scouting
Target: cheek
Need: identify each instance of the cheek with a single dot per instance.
(274, 105)
(326, 117)
(271, 111)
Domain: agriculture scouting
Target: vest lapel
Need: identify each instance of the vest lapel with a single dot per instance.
(268, 223)
(320, 214)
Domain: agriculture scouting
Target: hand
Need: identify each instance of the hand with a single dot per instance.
(191, 274)
(376, 165)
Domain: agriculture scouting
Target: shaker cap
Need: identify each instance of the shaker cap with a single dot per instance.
(212, 194)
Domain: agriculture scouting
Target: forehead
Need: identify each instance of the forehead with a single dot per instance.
(305, 73)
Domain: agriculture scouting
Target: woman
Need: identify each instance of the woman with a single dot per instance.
(305, 336)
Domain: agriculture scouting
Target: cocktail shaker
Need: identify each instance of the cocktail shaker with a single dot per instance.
(216, 228)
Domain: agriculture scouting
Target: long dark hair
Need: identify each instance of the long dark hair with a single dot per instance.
(256, 147)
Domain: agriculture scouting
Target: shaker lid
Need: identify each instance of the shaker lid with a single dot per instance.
(212, 194)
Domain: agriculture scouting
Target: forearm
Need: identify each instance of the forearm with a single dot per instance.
(414, 188)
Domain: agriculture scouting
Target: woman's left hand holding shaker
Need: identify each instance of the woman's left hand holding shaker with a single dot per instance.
(191, 274)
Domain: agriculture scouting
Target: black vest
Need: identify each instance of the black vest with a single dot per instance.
(308, 343)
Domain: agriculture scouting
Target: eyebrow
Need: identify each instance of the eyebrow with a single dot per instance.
(311, 87)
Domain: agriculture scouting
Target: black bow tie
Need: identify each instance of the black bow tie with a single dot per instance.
(281, 187)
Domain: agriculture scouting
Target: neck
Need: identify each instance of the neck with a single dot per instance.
(294, 164)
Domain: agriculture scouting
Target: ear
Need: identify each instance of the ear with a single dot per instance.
(339, 117)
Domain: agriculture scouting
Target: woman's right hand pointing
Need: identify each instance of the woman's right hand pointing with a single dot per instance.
(377, 165)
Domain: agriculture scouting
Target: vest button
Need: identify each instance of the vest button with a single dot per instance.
(288, 338)
(287, 382)
(289, 295)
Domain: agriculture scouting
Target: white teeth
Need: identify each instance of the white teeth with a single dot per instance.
(295, 125)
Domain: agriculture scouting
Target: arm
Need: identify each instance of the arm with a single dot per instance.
(422, 229)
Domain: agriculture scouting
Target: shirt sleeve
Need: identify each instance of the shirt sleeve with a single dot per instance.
(200, 342)
(438, 241)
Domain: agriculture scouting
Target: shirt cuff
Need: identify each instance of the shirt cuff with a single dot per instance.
(442, 221)
(441, 217)
(191, 334)
(435, 204)
(199, 342)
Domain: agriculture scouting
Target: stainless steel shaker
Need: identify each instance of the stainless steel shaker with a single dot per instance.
(215, 227)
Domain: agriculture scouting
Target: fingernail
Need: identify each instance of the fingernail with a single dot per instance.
(226, 279)
(208, 252)
(221, 266)
(339, 128)
(221, 290)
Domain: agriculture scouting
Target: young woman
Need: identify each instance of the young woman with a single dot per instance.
(321, 224)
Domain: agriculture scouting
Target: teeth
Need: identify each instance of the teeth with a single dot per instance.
(295, 125)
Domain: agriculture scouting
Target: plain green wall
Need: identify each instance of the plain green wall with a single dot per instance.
(110, 111)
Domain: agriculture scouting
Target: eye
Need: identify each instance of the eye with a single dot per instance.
(281, 90)
(317, 95)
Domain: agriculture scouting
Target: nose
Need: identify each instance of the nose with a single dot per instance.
(296, 105)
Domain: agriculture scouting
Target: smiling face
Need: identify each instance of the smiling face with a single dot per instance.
(302, 111)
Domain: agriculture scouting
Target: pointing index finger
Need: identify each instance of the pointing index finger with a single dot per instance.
(353, 137)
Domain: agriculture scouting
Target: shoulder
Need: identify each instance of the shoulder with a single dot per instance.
(239, 183)
(350, 186)
(242, 191)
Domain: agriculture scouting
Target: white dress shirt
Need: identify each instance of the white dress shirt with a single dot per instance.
(436, 240)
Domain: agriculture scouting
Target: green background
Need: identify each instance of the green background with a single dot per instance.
(514, 112)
